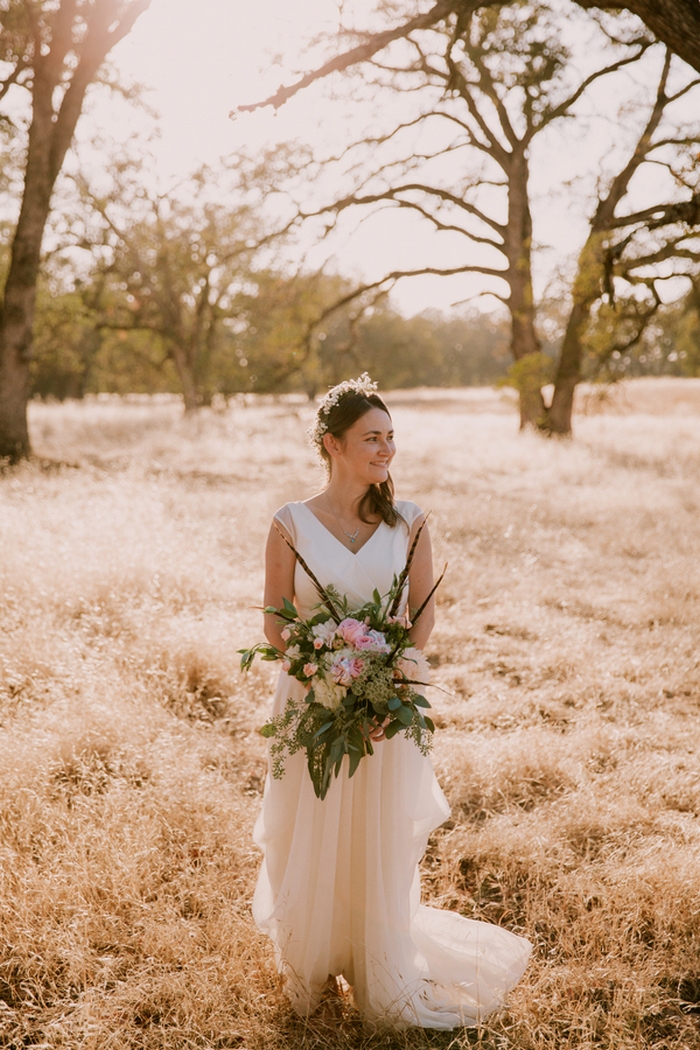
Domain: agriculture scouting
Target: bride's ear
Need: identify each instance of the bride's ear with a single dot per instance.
(331, 445)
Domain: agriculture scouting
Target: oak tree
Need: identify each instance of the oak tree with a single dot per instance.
(500, 77)
(52, 50)
(189, 278)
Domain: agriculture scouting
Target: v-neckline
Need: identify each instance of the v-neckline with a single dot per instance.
(353, 553)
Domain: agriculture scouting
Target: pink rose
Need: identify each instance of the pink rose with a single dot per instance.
(350, 629)
(286, 634)
(318, 643)
(373, 640)
(310, 670)
(345, 669)
(286, 664)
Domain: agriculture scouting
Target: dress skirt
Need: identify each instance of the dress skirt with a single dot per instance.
(339, 894)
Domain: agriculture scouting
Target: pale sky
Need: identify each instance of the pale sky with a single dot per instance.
(202, 58)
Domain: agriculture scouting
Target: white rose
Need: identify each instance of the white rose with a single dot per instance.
(329, 694)
(325, 631)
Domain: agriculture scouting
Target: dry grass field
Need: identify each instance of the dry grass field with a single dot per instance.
(568, 743)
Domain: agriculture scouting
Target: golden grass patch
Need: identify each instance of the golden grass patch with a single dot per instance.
(131, 768)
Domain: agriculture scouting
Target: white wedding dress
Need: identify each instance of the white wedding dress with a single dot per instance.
(339, 889)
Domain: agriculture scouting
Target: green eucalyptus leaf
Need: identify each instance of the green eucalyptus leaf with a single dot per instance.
(392, 729)
(404, 715)
(355, 759)
(247, 658)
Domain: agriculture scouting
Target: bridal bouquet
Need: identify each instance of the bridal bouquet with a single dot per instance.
(360, 671)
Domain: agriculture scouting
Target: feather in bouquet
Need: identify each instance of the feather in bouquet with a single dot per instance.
(360, 670)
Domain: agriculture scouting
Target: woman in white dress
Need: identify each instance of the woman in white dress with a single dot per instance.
(339, 888)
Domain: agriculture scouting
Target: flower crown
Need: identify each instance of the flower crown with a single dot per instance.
(363, 385)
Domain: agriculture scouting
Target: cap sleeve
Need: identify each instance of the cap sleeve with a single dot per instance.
(285, 516)
(410, 512)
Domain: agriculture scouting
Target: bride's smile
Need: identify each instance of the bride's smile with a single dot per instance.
(366, 449)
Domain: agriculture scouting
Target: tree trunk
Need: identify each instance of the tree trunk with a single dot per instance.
(52, 126)
(568, 373)
(14, 395)
(186, 375)
(558, 419)
(521, 304)
(19, 299)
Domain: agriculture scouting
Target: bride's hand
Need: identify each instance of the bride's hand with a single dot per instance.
(378, 732)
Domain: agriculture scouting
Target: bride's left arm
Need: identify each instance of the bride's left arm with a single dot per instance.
(420, 582)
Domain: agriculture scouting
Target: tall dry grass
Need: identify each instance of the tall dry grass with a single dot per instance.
(131, 768)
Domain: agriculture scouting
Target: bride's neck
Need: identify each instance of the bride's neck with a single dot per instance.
(345, 498)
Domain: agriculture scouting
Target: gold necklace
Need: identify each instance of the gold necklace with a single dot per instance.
(352, 536)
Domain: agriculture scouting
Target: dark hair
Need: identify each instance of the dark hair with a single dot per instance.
(351, 406)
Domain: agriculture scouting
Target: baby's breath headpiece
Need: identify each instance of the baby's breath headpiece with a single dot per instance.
(363, 385)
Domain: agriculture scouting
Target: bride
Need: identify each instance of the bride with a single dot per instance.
(339, 888)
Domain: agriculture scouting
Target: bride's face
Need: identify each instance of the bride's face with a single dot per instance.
(367, 448)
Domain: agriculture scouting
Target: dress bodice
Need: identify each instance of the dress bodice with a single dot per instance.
(355, 574)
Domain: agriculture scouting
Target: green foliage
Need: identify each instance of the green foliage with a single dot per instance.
(263, 345)
(272, 342)
(65, 345)
(432, 350)
(638, 337)
(74, 355)
(686, 351)
(530, 373)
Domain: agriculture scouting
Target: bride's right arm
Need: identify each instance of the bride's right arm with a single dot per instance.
(279, 582)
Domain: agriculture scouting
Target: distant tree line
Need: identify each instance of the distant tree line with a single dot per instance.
(264, 349)
(74, 358)
(262, 346)
(181, 291)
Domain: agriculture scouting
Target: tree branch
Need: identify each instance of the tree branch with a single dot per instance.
(101, 37)
(373, 43)
(391, 194)
(687, 212)
(605, 213)
(444, 227)
(5, 85)
(675, 22)
(567, 103)
(397, 275)
(493, 147)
